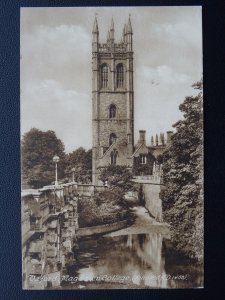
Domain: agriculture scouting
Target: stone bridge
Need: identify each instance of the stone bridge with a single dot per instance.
(49, 230)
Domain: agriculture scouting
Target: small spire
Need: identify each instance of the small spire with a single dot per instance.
(112, 24)
(124, 32)
(129, 27)
(108, 37)
(152, 141)
(95, 26)
(112, 31)
(124, 29)
(156, 140)
(162, 138)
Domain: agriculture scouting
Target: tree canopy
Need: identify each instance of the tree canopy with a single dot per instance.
(118, 177)
(38, 148)
(182, 197)
(81, 161)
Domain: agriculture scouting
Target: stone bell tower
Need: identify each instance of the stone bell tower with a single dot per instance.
(112, 99)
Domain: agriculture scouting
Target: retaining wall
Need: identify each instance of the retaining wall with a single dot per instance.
(152, 200)
(88, 231)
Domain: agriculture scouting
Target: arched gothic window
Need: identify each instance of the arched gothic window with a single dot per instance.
(104, 76)
(119, 76)
(112, 139)
(112, 111)
(113, 155)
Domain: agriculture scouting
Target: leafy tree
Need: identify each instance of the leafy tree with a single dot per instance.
(38, 149)
(108, 206)
(182, 198)
(92, 212)
(81, 161)
(118, 177)
(159, 159)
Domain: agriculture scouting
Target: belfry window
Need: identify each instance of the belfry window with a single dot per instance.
(112, 139)
(112, 111)
(104, 76)
(113, 155)
(143, 159)
(119, 76)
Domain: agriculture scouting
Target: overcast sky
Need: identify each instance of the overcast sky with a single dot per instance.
(56, 66)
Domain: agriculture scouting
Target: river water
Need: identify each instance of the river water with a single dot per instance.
(131, 261)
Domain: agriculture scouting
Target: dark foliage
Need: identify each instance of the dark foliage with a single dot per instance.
(141, 197)
(182, 198)
(119, 177)
(108, 206)
(103, 208)
(38, 149)
(81, 161)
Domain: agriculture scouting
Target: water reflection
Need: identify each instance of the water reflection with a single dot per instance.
(130, 261)
(150, 269)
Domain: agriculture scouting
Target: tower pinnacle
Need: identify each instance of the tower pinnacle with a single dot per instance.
(108, 37)
(95, 26)
(129, 27)
(124, 32)
(95, 35)
(129, 34)
(112, 31)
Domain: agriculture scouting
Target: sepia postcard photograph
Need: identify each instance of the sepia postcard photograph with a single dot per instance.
(111, 103)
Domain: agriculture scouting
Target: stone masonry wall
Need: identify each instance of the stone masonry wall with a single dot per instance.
(119, 99)
(49, 231)
(152, 199)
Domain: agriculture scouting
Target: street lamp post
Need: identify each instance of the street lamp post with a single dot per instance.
(56, 160)
(73, 170)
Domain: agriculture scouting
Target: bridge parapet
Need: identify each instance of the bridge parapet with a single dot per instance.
(50, 219)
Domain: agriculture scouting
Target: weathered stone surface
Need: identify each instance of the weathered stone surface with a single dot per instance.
(112, 55)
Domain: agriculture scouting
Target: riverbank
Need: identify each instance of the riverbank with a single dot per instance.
(143, 224)
(101, 229)
(135, 257)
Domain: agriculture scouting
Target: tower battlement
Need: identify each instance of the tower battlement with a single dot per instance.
(125, 44)
(106, 47)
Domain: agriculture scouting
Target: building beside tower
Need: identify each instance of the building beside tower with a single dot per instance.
(113, 106)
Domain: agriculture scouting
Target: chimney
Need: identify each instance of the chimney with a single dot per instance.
(169, 134)
(142, 136)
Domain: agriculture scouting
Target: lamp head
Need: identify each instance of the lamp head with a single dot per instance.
(56, 159)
